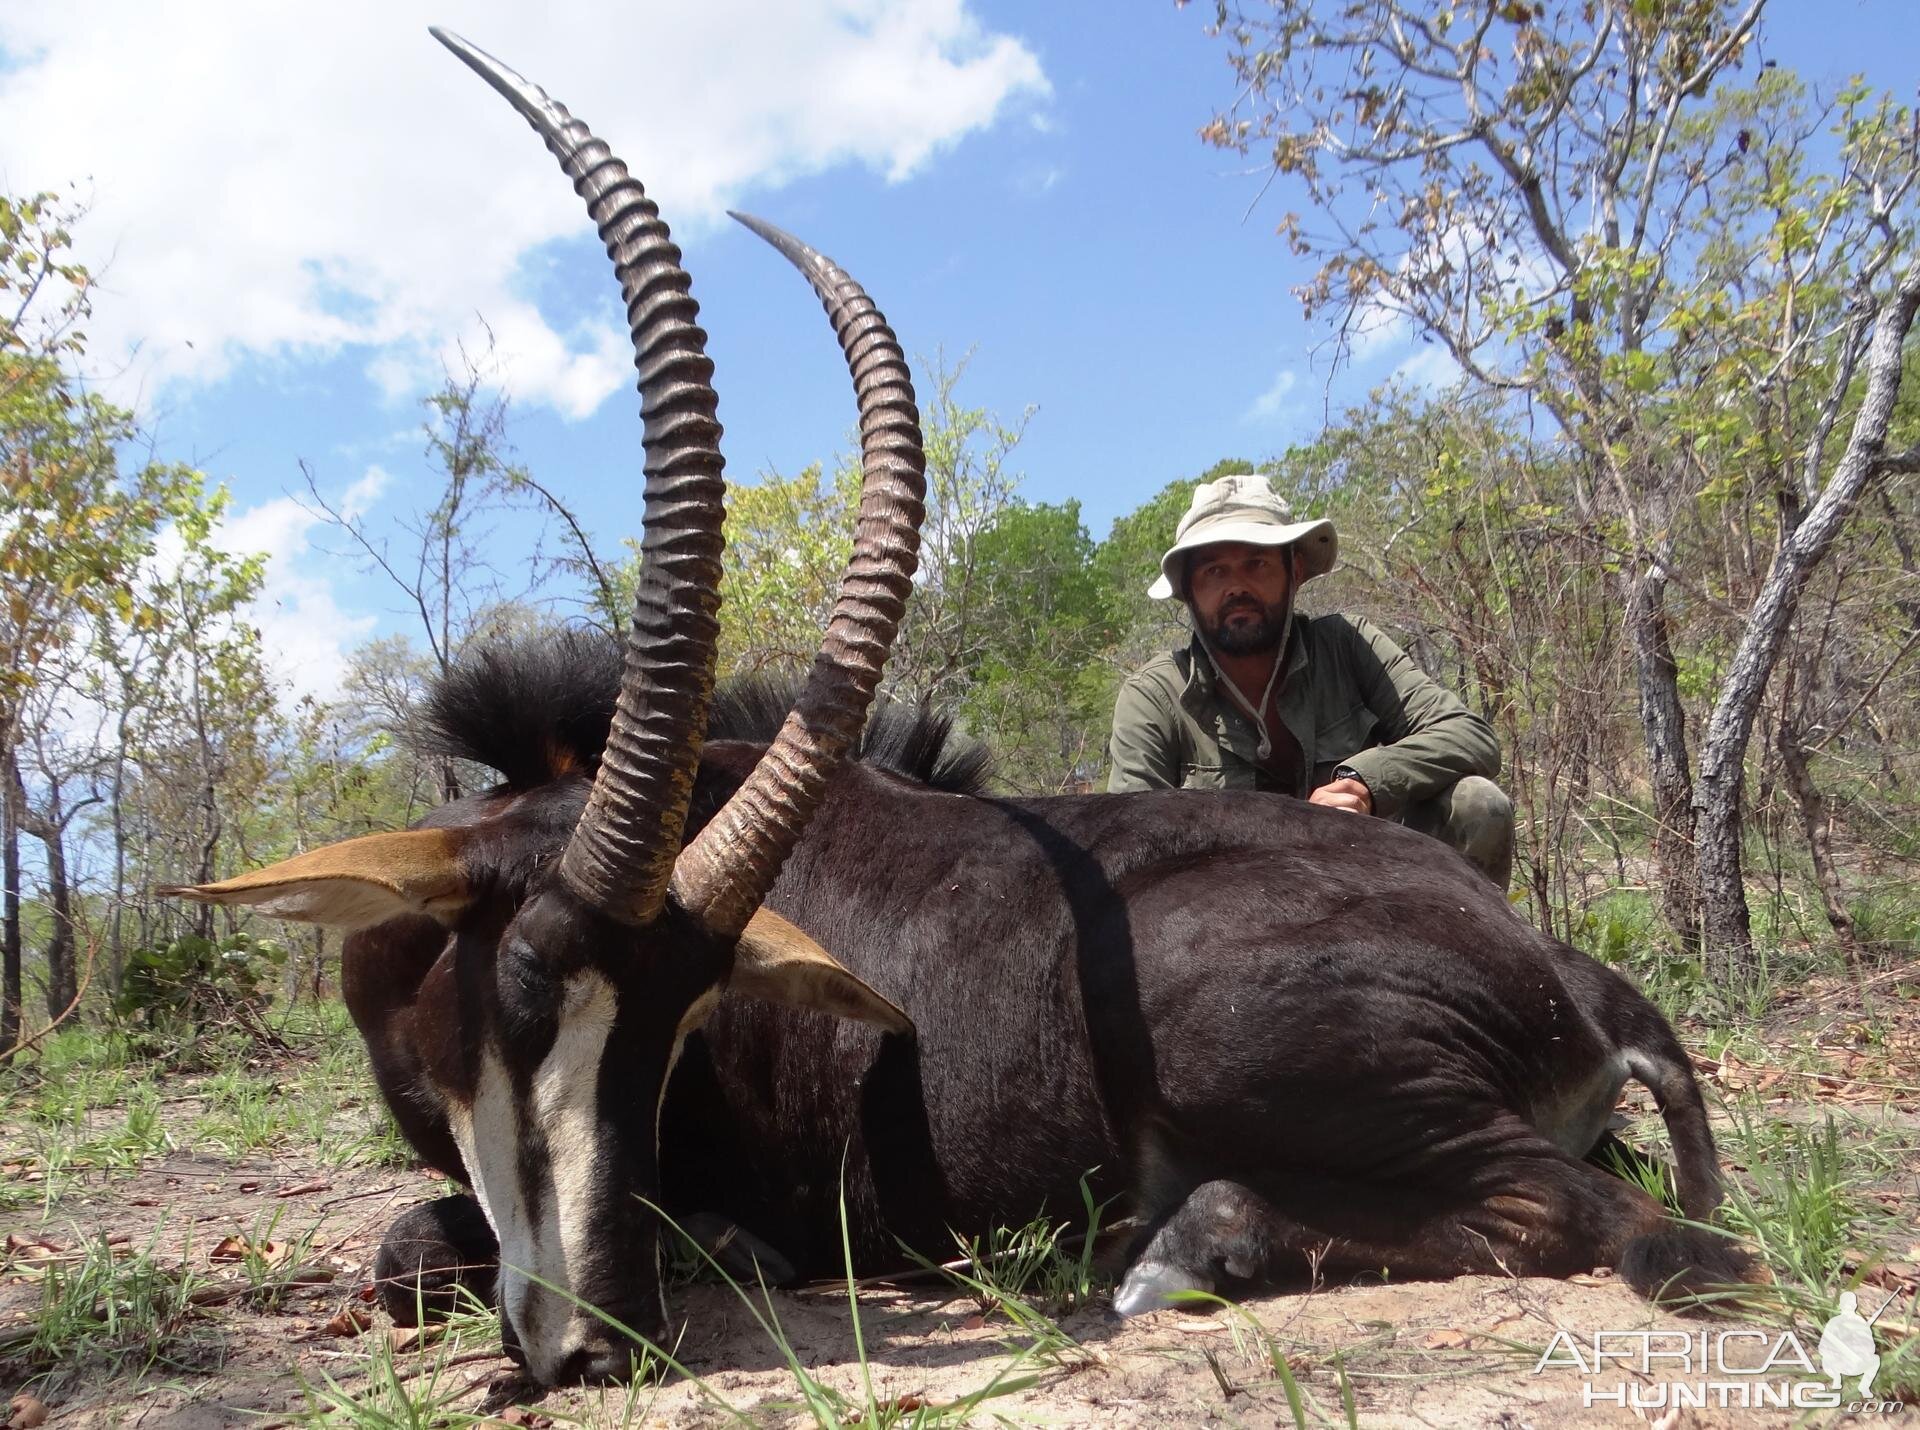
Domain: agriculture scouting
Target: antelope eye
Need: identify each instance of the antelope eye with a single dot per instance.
(529, 987)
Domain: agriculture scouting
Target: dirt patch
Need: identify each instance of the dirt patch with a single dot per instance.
(1432, 1354)
(255, 1258)
(261, 1262)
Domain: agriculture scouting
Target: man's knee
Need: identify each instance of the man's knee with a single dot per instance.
(1480, 826)
(1475, 816)
(1479, 803)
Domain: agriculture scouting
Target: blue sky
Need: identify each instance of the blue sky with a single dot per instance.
(295, 218)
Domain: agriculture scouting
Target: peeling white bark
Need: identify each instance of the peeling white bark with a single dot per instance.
(1717, 789)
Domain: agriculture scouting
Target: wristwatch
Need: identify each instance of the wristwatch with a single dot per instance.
(1348, 772)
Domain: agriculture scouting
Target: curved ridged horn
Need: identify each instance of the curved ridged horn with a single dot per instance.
(726, 871)
(620, 857)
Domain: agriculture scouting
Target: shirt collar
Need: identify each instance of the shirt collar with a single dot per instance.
(1200, 682)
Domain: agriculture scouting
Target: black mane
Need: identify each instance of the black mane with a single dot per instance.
(537, 707)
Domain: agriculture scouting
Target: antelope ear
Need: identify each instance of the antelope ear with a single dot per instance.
(354, 884)
(778, 963)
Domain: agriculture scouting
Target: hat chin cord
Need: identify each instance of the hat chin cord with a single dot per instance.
(1254, 711)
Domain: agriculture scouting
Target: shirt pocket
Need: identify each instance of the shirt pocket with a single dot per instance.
(1344, 738)
(1198, 776)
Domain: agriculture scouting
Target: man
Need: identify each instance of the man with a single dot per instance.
(1323, 707)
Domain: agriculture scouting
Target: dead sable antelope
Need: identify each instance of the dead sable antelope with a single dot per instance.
(1288, 1037)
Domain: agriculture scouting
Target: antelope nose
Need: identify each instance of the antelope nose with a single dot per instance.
(598, 1365)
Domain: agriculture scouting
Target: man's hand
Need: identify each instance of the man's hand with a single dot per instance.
(1350, 795)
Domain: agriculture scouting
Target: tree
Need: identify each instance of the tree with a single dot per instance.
(1039, 687)
(49, 820)
(437, 558)
(1535, 186)
(970, 485)
(72, 534)
(994, 572)
(788, 539)
(1453, 538)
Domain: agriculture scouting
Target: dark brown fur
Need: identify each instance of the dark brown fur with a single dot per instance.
(1284, 1035)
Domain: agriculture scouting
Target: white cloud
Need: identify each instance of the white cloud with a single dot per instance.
(1431, 367)
(305, 634)
(1376, 329)
(282, 180)
(1379, 329)
(364, 492)
(1273, 401)
(1041, 180)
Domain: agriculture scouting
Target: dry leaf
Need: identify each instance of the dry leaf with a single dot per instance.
(249, 1186)
(973, 1322)
(304, 1188)
(350, 1321)
(26, 1412)
(238, 1248)
(32, 1248)
(521, 1415)
(1895, 1275)
(1446, 1340)
(403, 1338)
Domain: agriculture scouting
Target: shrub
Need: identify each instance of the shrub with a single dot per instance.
(200, 982)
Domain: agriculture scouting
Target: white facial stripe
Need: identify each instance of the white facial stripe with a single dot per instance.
(566, 1106)
(482, 1133)
(563, 1106)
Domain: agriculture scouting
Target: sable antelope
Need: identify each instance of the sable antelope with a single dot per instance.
(1286, 1036)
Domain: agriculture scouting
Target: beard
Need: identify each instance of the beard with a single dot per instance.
(1255, 637)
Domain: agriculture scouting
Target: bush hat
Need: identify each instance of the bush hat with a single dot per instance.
(1243, 508)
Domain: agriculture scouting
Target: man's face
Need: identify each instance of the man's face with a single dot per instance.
(1240, 594)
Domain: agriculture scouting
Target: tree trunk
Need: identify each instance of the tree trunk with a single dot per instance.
(1663, 724)
(50, 829)
(10, 995)
(116, 938)
(62, 978)
(1815, 825)
(1717, 794)
(318, 989)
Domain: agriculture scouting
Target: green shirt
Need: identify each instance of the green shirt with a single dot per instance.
(1350, 697)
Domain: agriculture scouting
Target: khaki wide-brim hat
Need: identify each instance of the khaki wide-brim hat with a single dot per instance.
(1244, 508)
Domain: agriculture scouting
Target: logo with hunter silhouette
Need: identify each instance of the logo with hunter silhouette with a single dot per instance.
(1846, 1346)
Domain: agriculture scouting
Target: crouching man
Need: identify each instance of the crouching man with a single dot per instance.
(1324, 708)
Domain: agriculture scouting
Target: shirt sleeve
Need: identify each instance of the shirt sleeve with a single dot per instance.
(1142, 744)
(1429, 739)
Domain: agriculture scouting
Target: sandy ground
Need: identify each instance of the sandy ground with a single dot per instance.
(1434, 1354)
(1455, 1354)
